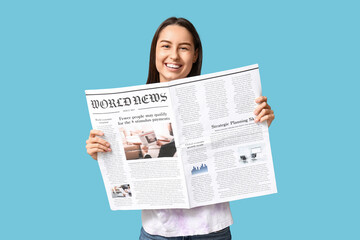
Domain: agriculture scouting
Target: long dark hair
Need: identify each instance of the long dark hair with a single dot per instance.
(153, 76)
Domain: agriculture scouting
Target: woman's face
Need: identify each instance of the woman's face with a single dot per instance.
(175, 53)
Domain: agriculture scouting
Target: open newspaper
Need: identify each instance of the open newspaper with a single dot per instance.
(184, 143)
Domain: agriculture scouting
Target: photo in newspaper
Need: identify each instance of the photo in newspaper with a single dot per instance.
(149, 140)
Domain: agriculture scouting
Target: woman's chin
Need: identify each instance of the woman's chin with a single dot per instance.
(171, 78)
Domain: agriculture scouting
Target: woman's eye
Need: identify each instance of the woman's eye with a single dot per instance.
(184, 48)
(166, 46)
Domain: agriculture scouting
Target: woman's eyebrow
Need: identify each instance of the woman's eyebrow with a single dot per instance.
(166, 41)
(186, 43)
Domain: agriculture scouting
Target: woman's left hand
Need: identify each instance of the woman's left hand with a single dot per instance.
(263, 111)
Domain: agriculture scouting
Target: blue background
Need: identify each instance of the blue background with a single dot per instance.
(51, 51)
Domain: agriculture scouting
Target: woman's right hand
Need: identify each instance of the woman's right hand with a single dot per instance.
(95, 144)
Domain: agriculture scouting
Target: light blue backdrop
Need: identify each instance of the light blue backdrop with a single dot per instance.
(51, 51)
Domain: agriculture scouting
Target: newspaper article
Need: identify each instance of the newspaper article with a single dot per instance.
(185, 143)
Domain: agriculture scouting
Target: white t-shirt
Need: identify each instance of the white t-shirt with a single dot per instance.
(187, 222)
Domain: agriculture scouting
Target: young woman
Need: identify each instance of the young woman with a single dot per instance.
(176, 53)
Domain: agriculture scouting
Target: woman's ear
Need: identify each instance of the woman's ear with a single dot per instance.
(196, 55)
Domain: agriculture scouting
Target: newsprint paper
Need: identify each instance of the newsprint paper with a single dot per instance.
(184, 143)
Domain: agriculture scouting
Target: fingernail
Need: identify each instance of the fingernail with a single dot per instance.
(108, 145)
(109, 149)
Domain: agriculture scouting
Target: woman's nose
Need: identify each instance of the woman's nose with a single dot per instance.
(174, 54)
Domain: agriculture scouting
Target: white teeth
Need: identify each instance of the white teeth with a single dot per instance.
(173, 65)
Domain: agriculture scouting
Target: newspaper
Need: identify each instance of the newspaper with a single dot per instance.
(184, 143)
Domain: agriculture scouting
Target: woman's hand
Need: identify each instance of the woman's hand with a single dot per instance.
(263, 111)
(95, 144)
(145, 149)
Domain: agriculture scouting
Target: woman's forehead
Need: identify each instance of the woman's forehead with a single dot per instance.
(175, 34)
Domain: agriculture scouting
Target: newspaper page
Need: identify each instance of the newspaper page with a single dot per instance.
(139, 172)
(185, 143)
(226, 156)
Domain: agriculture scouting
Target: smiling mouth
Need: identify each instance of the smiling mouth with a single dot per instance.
(173, 66)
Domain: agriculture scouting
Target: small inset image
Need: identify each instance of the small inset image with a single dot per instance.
(250, 153)
(148, 138)
(199, 169)
(121, 191)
